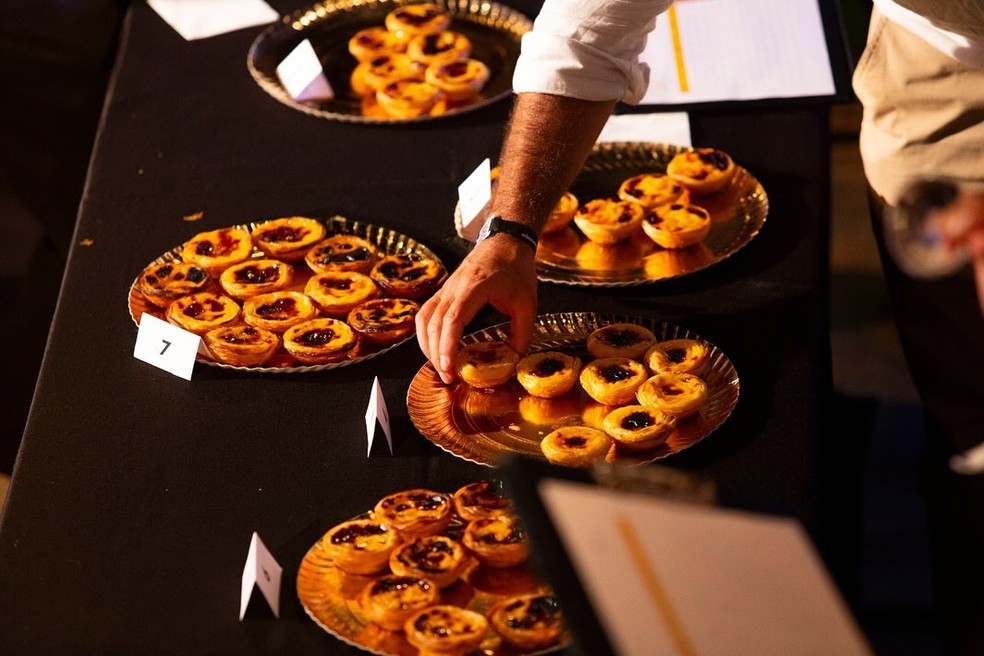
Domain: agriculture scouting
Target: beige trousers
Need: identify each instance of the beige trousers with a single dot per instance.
(923, 112)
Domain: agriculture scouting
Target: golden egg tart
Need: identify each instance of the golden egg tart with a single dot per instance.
(164, 282)
(575, 446)
(682, 356)
(639, 427)
(360, 546)
(241, 346)
(408, 275)
(436, 558)
(528, 622)
(371, 42)
(652, 190)
(680, 395)
(416, 512)
(621, 340)
(341, 253)
(410, 20)
(320, 341)
(384, 320)
(200, 313)
(479, 500)
(677, 225)
(217, 249)
(374, 74)
(253, 277)
(446, 630)
(278, 311)
(459, 80)
(439, 47)
(497, 541)
(336, 293)
(548, 374)
(607, 221)
(390, 600)
(486, 364)
(613, 381)
(562, 213)
(288, 238)
(407, 98)
(703, 170)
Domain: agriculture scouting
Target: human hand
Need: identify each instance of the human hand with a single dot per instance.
(962, 224)
(501, 272)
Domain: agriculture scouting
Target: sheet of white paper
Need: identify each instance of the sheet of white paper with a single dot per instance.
(680, 578)
(713, 50)
(376, 411)
(302, 75)
(263, 571)
(166, 346)
(198, 19)
(473, 195)
(668, 128)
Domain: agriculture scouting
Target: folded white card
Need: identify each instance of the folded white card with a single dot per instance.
(302, 75)
(666, 127)
(198, 19)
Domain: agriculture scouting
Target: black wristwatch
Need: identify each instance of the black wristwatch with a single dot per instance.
(496, 224)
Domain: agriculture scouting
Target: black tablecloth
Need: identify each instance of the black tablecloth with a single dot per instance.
(136, 492)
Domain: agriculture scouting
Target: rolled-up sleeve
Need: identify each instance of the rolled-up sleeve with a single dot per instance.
(588, 49)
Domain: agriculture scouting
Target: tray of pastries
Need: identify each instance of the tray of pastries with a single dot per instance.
(592, 386)
(397, 60)
(430, 572)
(640, 212)
(291, 294)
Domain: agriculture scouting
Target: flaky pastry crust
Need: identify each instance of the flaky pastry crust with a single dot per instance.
(575, 446)
(253, 277)
(416, 512)
(486, 364)
(703, 170)
(217, 249)
(200, 313)
(288, 238)
(613, 381)
(320, 341)
(278, 311)
(621, 340)
(639, 427)
(243, 346)
(336, 293)
(384, 320)
(548, 374)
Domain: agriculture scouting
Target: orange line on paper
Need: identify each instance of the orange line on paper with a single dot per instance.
(678, 50)
(654, 587)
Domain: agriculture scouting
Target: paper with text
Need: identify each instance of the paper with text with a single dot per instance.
(166, 346)
(716, 50)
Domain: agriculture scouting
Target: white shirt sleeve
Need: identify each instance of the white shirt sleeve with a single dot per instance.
(588, 49)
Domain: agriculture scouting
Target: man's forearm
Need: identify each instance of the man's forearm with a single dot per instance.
(548, 140)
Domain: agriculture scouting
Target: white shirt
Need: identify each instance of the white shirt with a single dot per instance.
(962, 46)
(588, 49)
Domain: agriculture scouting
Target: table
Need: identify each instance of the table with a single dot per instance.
(136, 492)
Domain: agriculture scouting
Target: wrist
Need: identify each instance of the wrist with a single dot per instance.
(513, 230)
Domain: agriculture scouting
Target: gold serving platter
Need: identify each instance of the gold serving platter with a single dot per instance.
(567, 257)
(481, 425)
(329, 595)
(494, 30)
(387, 242)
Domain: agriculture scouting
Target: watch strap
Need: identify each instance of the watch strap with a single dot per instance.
(496, 224)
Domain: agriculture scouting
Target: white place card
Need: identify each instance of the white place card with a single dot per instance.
(302, 75)
(666, 127)
(198, 19)
(377, 412)
(473, 195)
(166, 346)
(262, 571)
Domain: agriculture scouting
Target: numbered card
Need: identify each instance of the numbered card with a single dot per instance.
(473, 195)
(166, 346)
(377, 412)
(262, 571)
(302, 75)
